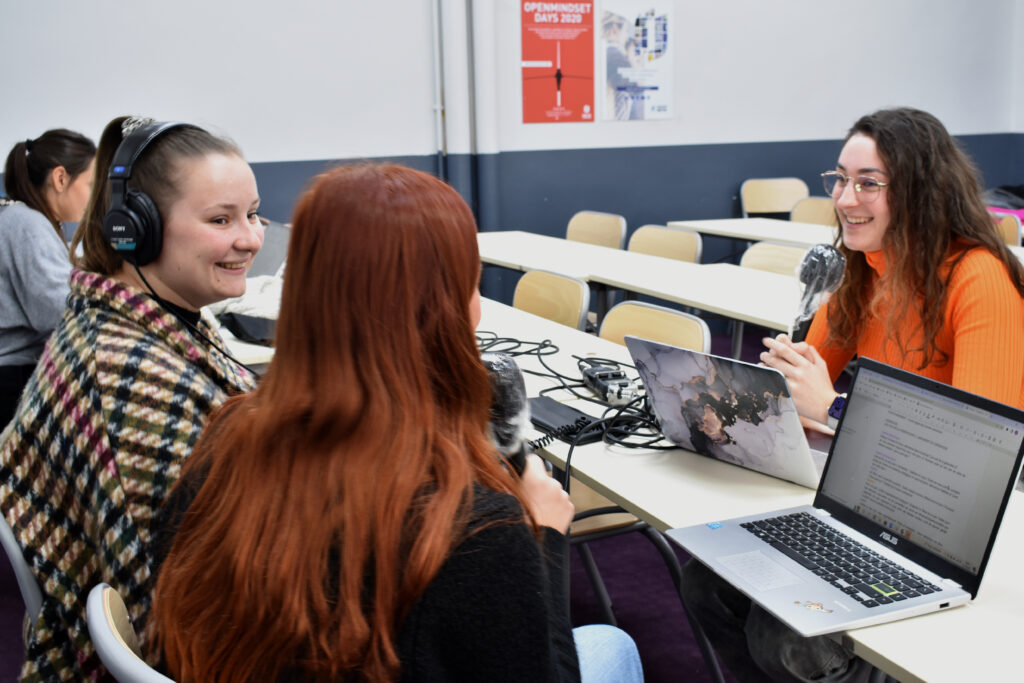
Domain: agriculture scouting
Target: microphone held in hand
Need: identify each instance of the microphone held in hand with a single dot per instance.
(510, 411)
(821, 271)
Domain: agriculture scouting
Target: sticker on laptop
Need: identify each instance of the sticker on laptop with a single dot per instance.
(814, 606)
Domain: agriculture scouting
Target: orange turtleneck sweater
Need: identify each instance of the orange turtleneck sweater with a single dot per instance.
(982, 333)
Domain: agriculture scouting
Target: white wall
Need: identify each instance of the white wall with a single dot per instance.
(342, 79)
(1014, 50)
(748, 70)
(286, 80)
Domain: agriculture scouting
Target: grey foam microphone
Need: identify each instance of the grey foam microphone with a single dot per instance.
(510, 411)
(821, 271)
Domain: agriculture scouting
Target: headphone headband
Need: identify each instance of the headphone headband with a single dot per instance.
(132, 146)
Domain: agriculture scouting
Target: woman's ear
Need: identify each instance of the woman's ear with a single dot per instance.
(60, 179)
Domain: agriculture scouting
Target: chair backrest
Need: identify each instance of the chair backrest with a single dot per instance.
(659, 240)
(658, 323)
(771, 195)
(596, 227)
(1008, 226)
(775, 258)
(553, 296)
(819, 210)
(27, 582)
(111, 632)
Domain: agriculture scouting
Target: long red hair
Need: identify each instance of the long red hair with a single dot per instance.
(336, 490)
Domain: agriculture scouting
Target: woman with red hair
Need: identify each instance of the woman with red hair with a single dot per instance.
(350, 519)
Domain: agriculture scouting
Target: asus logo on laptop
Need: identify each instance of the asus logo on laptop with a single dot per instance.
(889, 538)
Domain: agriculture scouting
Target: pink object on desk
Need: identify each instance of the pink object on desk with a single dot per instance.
(1019, 213)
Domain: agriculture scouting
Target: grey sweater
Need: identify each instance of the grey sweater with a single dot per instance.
(34, 271)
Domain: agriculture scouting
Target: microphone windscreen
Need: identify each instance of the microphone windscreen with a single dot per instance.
(822, 268)
(510, 411)
(821, 273)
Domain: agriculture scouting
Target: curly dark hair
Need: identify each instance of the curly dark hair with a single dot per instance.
(936, 212)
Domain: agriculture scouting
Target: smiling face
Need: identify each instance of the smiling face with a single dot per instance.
(864, 222)
(210, 233)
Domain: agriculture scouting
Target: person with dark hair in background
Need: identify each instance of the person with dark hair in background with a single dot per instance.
(350, 519)
(128, 378)
(47, 181)
(929, 287)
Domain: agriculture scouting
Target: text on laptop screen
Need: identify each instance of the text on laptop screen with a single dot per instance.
(904, 456)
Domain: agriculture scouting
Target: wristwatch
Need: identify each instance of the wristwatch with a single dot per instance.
(835, 411)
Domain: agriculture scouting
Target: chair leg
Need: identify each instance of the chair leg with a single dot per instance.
(600, 590)
(676, 572)
(737, 338)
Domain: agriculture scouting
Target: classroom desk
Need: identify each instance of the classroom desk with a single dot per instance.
(665, 488)
(762, 230)
(679, 488)
(746, 294)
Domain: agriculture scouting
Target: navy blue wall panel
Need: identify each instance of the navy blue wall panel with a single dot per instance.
(540, 190)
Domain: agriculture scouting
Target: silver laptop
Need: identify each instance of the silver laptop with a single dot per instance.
(729, 410)
(903, 521)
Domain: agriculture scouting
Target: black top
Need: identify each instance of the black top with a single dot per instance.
(496, 611)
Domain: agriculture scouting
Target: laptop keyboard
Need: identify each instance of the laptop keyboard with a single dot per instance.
(858, 571)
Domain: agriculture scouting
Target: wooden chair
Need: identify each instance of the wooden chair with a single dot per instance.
(771, 195)
(675, 243)
(596, 516)
(649, 321)
(657, 323)
(1008, 226)
(818, 210)
(556, 297)
(111, 632)
(596, 227)
(775, 258)
(784, 259)
(27, 583)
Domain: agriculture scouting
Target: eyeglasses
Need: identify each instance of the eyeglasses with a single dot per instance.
(867, 188)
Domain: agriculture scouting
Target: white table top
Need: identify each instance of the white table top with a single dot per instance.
(762, 230)
(679, 488)
(649, 483)
(746, 294)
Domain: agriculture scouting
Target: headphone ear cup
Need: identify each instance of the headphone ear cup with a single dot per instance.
(149, 228)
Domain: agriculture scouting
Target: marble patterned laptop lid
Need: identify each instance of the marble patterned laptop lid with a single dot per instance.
(725, 409)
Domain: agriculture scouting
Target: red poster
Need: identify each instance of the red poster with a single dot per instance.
(558, 61)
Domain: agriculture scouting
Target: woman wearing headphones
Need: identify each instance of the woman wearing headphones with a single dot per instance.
(350, 519)
(128, 379)
(47, 181)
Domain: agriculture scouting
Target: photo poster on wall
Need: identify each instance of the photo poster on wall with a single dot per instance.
(636, 60)
(558, 61)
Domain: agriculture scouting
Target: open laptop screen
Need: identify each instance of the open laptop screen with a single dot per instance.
(925, 463)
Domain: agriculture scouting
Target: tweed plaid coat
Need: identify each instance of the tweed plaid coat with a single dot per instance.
(115, 405)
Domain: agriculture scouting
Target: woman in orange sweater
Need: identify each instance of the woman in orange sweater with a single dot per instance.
(929, 285)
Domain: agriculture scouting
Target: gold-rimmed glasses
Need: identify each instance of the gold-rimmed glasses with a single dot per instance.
(867, 187)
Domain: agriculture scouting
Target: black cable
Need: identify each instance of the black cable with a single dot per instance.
(169, 308)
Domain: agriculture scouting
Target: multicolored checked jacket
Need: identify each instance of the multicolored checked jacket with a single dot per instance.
(116, 403)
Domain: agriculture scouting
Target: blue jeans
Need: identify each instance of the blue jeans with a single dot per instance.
(607, 655)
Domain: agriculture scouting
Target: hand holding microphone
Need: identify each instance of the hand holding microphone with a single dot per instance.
(821, 272)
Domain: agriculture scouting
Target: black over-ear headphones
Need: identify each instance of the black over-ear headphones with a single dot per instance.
(132, 225)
